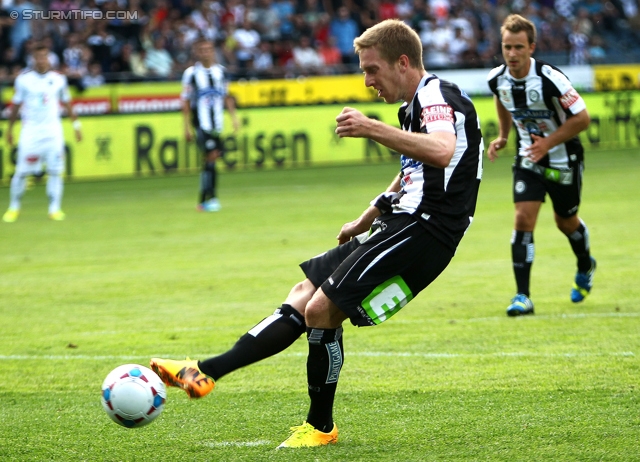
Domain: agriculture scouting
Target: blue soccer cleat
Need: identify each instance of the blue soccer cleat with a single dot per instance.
(583, 283)
(520, 305)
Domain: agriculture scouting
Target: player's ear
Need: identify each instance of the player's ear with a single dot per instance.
(403, 62)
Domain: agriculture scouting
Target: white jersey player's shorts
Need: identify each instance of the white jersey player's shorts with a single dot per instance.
(35, 151)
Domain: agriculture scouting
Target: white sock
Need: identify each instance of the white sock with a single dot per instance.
(54, 191)
(18, 186)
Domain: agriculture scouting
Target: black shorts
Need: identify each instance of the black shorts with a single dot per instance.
(531, 186)
(208, 142)
(373, 276)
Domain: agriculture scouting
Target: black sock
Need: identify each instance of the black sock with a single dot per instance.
(326, 356)
(272, 335)
(208, 180)
(579, 240)
(522, 251)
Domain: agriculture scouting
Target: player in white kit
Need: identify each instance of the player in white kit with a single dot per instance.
(39, 92)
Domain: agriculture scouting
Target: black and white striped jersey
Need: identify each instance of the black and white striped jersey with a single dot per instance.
(539, 104)
(442, 199)
(206, 89)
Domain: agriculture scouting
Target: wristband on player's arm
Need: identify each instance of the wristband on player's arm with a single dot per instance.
(77, 125)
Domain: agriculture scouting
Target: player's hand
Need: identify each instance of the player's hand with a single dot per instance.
(351, 230)
(78, 134)
(236, 125)
(352, 123)
(494, 147)
(538, 148)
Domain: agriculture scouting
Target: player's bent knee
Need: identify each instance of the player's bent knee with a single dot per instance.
(322, 313)
(300, 295)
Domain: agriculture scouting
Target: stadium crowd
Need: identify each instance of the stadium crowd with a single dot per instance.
(97, 41)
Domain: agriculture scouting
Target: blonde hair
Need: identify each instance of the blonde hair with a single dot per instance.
(392, 38)
(515, 23)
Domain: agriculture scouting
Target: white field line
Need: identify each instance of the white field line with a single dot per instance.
(401, 321)
(371, 354)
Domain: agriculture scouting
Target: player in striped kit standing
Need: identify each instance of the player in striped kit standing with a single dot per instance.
(548, 114)
(204, 96)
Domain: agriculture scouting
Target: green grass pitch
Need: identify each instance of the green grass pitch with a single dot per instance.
(135, 272)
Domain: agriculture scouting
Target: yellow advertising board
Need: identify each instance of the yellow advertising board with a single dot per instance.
(248, 93)
(617, 77)
(152, 144)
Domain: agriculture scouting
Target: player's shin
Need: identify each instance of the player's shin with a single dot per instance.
(18, 187)
(579, 241)
(522, 253)
(326, 356)
(269, 337)
(54, 191)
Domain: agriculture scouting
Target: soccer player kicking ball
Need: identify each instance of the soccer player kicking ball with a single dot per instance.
(39, 92)
(548, 114)
(396, 248)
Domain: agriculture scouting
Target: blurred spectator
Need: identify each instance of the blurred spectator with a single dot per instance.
(597, 53)
(263, 62)
(286, 10)
(331, 56)
(387, 9)
(437, 44)
(7, 53)
(158, 60)
(345, 30)
(21, 29)
(370, 13)
(248, 40)
(122, 62)
(306, 58)
(578, 40)
(101, 41)
(283, 55)
(75, 57)
(229, 46)
(94, 77)
(310, 12)
(458, 46)
(138, 63)
(268, 20)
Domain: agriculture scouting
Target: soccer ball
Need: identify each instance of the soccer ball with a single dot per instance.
(133, 395)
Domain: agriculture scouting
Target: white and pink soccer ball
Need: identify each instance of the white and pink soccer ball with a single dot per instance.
(133, 395)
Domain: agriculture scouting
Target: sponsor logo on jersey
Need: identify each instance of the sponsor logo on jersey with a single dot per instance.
(520, 187)
(435, 113)
(407, 180)
(406, 162)
(532, 114)
(534, 95)
(570, 97)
